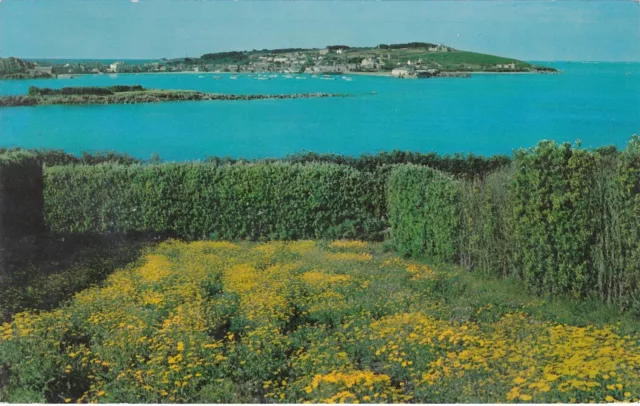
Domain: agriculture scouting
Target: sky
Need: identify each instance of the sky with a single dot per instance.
(539, 30)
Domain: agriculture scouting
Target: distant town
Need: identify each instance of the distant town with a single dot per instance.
(409, 60)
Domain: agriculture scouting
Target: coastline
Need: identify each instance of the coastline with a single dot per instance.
(353, 73)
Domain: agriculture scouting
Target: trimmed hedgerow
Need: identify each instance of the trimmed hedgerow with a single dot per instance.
(487, 240)
(21, 198)
(423, 211)
(554, 203)
(204, 200)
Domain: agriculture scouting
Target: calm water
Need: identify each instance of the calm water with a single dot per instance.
(486, 114)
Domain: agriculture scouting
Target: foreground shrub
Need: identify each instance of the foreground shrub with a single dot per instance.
(564, 220)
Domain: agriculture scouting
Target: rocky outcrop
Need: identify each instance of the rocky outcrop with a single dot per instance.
(148, 97)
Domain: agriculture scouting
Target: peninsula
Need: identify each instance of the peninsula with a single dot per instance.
(133, 95)
(413, 59)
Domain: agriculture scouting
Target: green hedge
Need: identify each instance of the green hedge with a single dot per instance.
(554, 202)
(423, 211)
(486, 238)
(205, 200)
(21, 205)
(564, 220)
(21, 198)
(616, 255)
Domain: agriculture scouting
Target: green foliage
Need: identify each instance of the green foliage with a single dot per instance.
(564, 220)
(553, 200)
(125, 88)
(48, 271)
(10, 157)
(55, 157)
(423, 211)
(487, 242)
(462, 166)
(617, 252)
(460, 59)
(67, 91)
(21, 197)
(205, 200)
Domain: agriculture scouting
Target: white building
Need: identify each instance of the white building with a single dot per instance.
(403, 72)
(511, 65)
(117, 67)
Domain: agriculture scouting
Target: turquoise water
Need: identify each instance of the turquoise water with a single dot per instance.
(486, 114)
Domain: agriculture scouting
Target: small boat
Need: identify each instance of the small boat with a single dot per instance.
(288, 76)
(263, 78)
(234, 77)
(314, 76)
(348, 79)
(300, 77)
(201, 76)
(216, 77)
(374, 92)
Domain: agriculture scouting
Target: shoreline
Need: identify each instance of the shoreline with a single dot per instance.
(354, 73)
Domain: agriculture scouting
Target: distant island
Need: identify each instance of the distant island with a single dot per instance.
(408, 60)
(132, 95)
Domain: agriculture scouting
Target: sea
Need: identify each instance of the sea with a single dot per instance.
(594, 103)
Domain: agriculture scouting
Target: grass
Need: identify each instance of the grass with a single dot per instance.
(312, 322)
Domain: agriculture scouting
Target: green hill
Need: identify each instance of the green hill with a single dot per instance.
(381, 58)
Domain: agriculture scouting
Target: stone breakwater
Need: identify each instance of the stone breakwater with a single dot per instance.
(147, 97)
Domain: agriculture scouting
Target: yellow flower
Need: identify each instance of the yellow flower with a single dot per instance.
(609, 398)
(180, 346)
(525, 398)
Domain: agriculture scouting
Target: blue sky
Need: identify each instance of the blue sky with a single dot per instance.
(529, 30)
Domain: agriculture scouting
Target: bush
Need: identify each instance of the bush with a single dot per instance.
(564, 220)
(616, 255)
(204, 200)
(462, 166)
(487, 242)
(68, 91)
(554, 202)
(125, 88)
(54, 157)
(423, 211)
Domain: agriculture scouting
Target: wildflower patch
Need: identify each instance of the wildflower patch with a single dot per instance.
(301, 322)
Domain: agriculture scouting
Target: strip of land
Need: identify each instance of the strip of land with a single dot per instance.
(413, 59)
(105, 95)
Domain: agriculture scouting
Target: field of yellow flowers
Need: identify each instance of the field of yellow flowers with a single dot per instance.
(302, 322)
